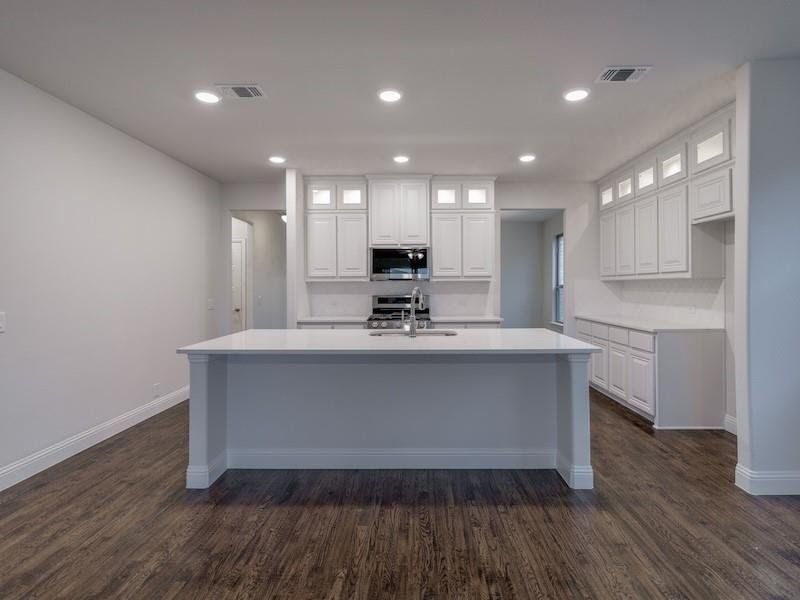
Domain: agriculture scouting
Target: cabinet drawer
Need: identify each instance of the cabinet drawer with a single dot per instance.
(600, 331)
(642, 341)
(584, 327)
(618, 335)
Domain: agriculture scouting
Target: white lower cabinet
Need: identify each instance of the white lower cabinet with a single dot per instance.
(600, 364)
(641, 381)
(674, 377)
(617, 370)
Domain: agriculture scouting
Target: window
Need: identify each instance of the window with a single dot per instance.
(558, 278)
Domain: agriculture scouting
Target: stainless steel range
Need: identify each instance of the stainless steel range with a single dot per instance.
(392, 312)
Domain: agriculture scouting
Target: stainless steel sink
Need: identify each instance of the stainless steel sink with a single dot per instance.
(420, 332)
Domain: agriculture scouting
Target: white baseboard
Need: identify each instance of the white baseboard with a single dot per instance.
(768, 483)
(391, 458)
(689, 427)
(34, 463)
(576, 477)
(730, 424)
(201, 477)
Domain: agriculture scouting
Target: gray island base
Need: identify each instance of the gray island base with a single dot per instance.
(341, 399)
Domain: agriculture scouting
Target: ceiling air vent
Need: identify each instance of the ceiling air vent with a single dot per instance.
(623, 73)
(240, 90)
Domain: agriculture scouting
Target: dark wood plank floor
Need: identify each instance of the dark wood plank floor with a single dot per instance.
(664, 521)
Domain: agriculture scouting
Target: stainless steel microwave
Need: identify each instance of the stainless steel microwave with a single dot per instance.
(400, 263)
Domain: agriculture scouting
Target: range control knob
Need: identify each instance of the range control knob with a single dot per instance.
(374, 324)
(384, 324)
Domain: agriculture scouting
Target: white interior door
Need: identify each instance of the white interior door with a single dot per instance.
(238, 299)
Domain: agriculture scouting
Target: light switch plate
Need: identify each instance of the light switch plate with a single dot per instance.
(2, 322)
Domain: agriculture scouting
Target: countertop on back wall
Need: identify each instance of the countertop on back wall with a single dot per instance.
(645, 324)
(435, 319)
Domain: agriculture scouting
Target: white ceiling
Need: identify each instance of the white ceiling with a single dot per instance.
(483, 78)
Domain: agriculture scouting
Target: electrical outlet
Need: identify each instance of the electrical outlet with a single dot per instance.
(156, 390)
(211, 304)
(2, 322)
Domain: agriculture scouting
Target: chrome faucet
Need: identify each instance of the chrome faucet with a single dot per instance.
(416, 295)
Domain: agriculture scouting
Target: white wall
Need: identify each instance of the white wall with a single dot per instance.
(768, 276)
(267, 272)
(105, 247)
(550, 229)
(730, 322)
(521, 291)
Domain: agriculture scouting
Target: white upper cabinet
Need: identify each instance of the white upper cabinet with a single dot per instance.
(414, 213)
(477, 255)
(351, 235)
(624, 186)
(351, 195)
(608, 245)
(320, 195)
(384, 209)
(647, 235)
(477, 194)
(321, 245)
(605, 194)
(672, 163)
(711, 194)
(646, 176)
(710, 145)
(446, 195)
(446, 245)
(399, 212)
(625, 223)
(673, 231)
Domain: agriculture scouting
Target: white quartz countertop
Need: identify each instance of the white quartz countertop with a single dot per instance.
(358, 341)
(649, 325)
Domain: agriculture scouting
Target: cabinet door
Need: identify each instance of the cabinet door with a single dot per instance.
(351, 235)
(625, 224)
(711, 194)
(321, 196)
(321, 245)
(608, 245)
(605, 194)
(414, 214)
(477, 254)
(588, 340)
(477, 195)
(617, 367)
(673, 231)
(646, 176)
(624, 186)
(446, 195)
(711, 145)
(446, 245)
(351, 196)
(641, 381)
(384, 211)
(647, 235)
(672, 164)
(600, 364)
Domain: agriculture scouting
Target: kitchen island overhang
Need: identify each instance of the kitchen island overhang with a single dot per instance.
(483, 399)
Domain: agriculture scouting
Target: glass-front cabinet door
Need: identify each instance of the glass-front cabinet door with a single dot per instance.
(446, 195)
(672, 163)
(605, 194)
(711, 145)
(477, 195)
(646, 176)
(351, 195)
(321, 195)
(624, 186)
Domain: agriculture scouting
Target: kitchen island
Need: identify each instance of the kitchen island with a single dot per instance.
(481, 399)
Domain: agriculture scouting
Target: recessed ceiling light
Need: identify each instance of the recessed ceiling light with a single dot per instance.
(576, 95)
(390, 95)
(526, 158)
(277, 160)
(284, 218)
(401, 159)
(207, 97)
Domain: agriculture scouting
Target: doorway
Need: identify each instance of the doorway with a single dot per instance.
(532, 268)
(258, 270)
